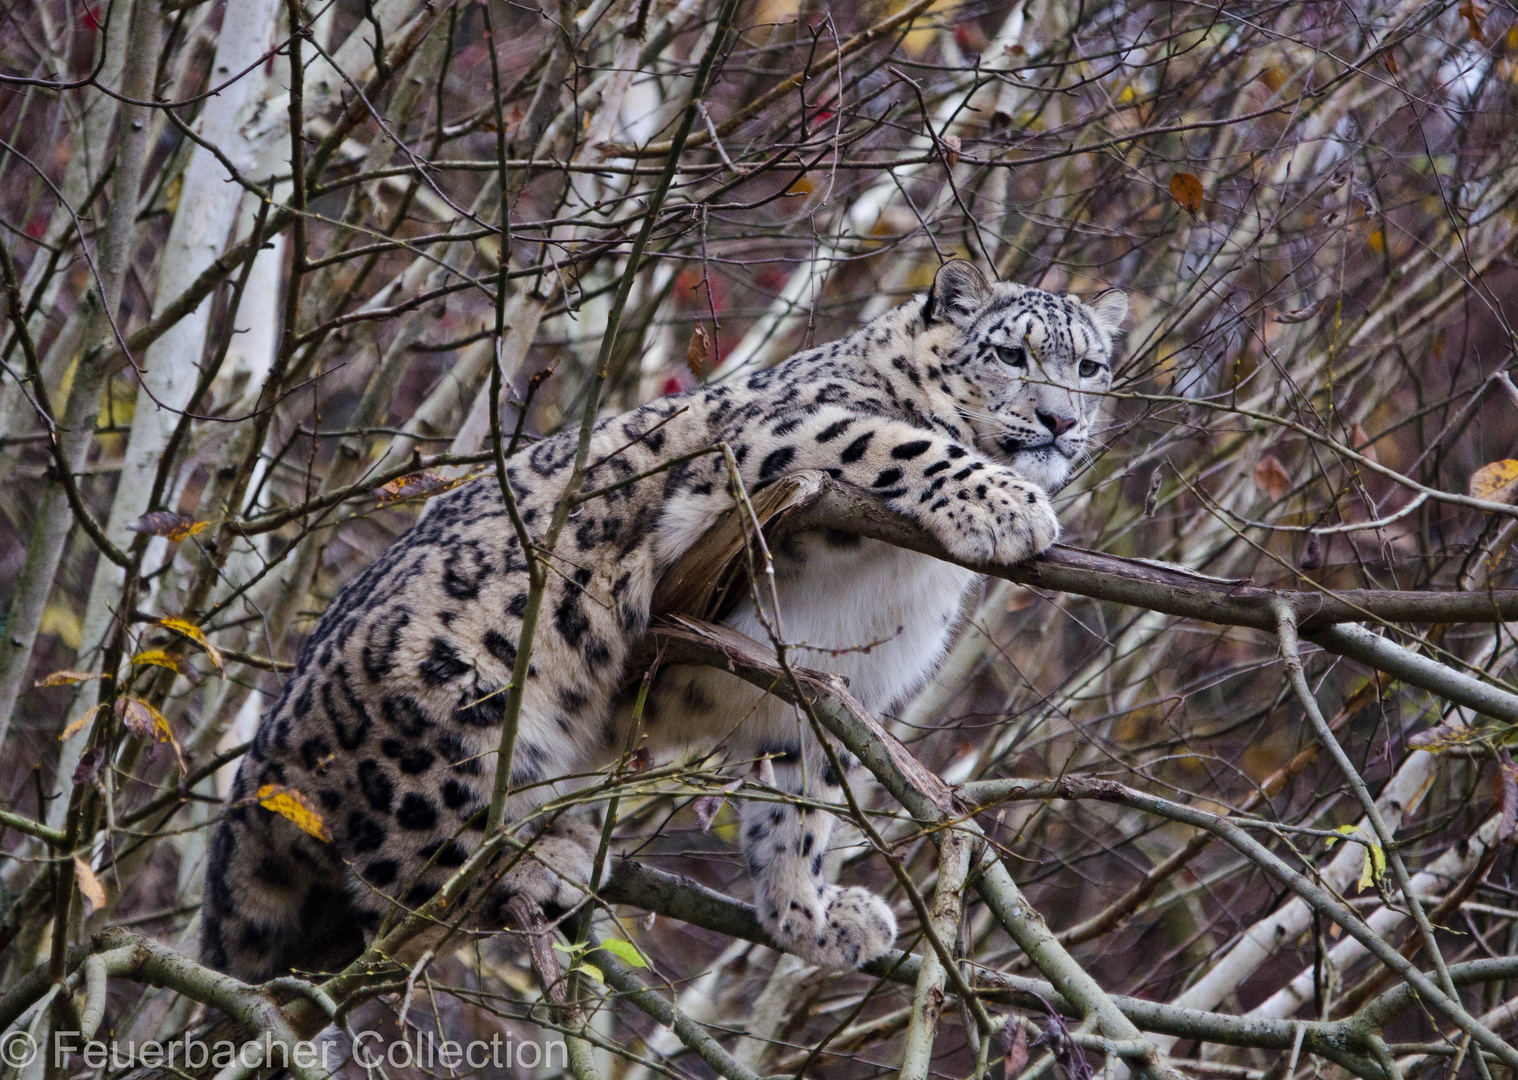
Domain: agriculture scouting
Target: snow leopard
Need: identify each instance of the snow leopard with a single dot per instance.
(960, 409)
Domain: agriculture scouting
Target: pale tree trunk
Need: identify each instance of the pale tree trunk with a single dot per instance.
(55, 518)
(207, 210)
(90, 132)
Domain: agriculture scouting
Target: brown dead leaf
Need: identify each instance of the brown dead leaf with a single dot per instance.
(172, 527)
(1312, 558)
(1271, 477)
(1360, 443)
(289, 803)
(1495, 482)
(1186, 189)
(1507, 795)
(193, 632)
(89, 886)
(706, 806)
(89, 766)
(1474, 15)
(698, 352)
(67, 676)
(951, 146)
(1014, 1045)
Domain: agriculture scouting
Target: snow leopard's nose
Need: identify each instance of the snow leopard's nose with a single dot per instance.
(1054, 422)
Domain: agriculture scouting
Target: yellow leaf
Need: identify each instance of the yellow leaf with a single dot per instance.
(144, 721)
(66, 676)
(174, 527)
(289, 803)
(924, 30)
(63, 621)
(1375, 866)
(1496, 481)
(1343, 830)
(78, 725)
(1186, 189)
(89, 884)
(1377, 241)
(1436, 740)
(157, 657)
(193, 632)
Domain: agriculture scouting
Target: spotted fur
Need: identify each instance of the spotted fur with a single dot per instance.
(959, 409)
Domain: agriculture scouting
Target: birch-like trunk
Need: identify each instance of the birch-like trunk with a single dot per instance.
(208, 207)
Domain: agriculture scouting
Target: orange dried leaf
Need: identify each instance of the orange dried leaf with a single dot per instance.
(67, 676)
(173, 527)
(194, 633)
(1495, 482)
(89, 884)
(1186, 189)
(698, 351)
(289, 803)
(1271, 477)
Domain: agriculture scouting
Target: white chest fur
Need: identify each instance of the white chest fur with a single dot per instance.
(875, 614)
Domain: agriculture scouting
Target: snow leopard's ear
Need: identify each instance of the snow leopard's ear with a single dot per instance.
(959, 292)
(1110, 307)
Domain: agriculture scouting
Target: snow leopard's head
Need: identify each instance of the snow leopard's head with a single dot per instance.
(1027, 367)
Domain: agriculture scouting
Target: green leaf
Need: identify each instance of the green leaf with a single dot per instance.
(593, 971)
(626, 951)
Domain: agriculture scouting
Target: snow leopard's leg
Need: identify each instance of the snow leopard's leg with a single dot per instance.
(979, 509)
(786, 842)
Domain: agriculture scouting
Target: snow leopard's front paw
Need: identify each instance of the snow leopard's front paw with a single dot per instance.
(849, 928)
(555, 868)
(1002, 518)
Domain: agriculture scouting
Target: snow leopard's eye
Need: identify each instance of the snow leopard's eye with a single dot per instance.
(1012, 355)
(1089, 368)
